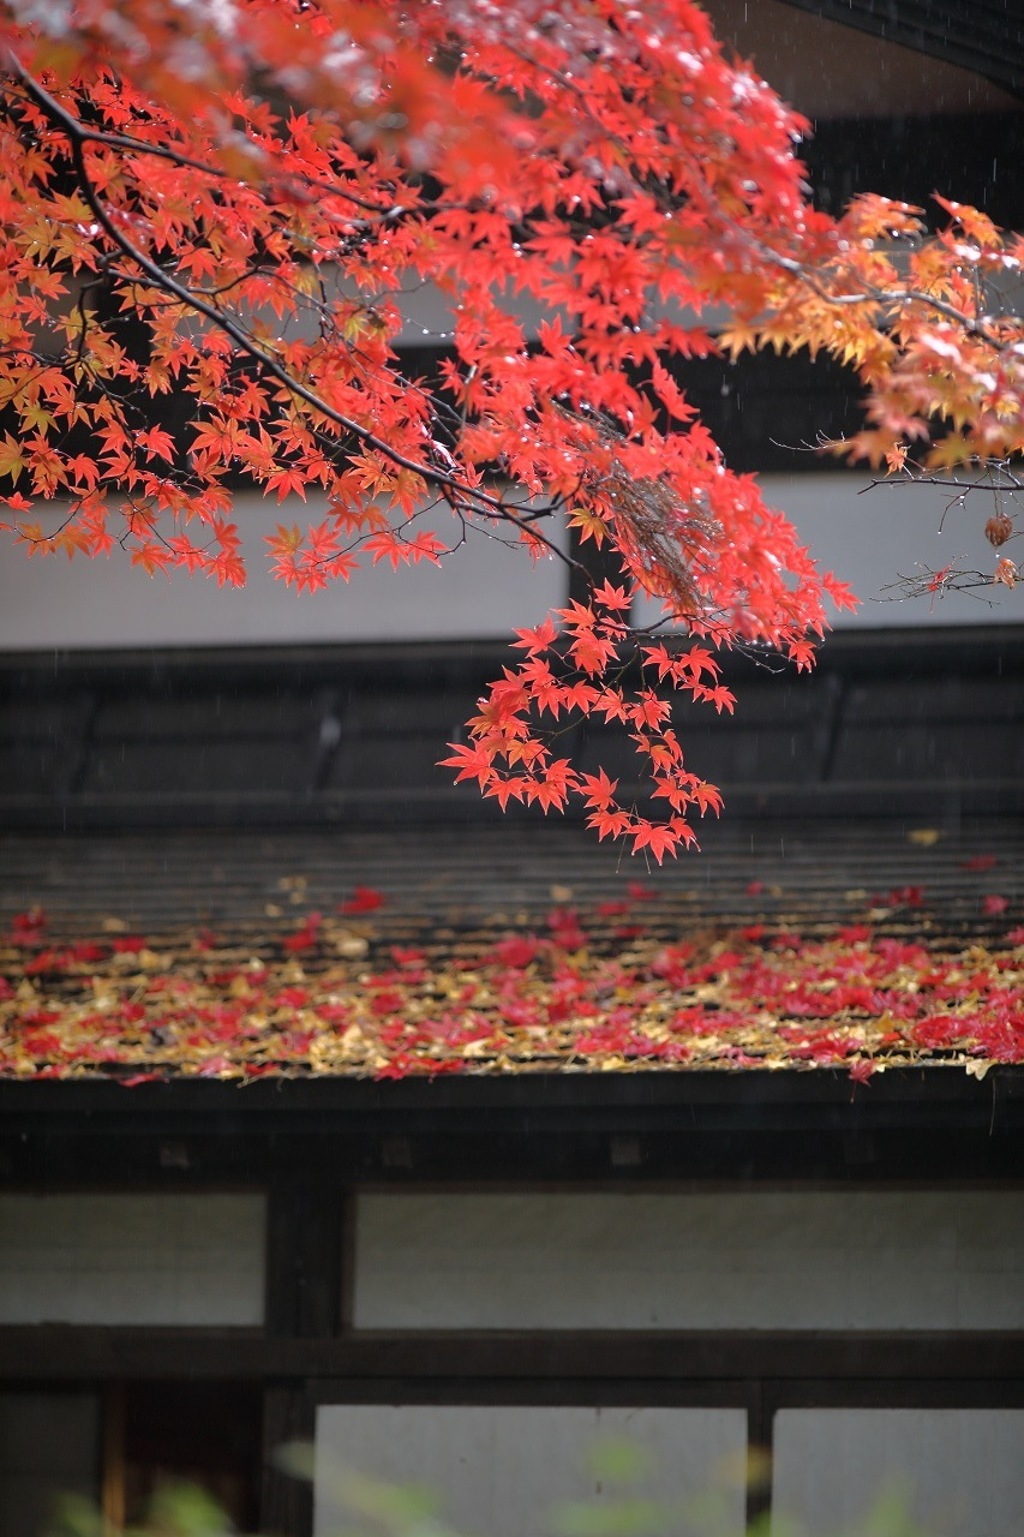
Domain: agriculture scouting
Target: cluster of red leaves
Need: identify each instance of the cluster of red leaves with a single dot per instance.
(950, 345)
(231, 213)
(510, 755)
(614, 990)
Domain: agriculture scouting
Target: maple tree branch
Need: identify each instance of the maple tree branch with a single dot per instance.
(892, 298)
(931, 583)
(128, 142)
(13, 67)
(1012, 482)
(896, 298)
(77, 134)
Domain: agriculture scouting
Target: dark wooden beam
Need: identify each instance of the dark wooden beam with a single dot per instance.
(311, 1107)
(686, 1128)
(60, 1353)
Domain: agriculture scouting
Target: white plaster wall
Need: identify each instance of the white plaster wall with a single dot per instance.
(716, 1260)
(484, 590)
(958, 1472)
(498, 1471)
(872, 537)
(132, 1259)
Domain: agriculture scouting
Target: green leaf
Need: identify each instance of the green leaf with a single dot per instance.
(619, 1461)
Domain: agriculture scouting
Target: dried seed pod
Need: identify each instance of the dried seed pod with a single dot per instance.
(998, 529)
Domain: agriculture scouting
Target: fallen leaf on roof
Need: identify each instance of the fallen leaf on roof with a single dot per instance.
(363, 900)
(572, 992)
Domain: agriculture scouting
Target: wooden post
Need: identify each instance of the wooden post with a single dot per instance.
(306, 1224)
(112, 1461)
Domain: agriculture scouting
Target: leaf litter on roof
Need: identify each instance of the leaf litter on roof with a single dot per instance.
(624, 987)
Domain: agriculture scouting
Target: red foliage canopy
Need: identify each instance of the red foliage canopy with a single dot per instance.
(225, 207)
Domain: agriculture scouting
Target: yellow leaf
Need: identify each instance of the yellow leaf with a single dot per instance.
(12, 460)
(590, 525)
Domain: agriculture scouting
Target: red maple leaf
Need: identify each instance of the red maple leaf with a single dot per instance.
(364, 899)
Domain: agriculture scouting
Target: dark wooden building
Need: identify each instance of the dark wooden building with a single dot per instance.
(750, 1237)
(335, 1109)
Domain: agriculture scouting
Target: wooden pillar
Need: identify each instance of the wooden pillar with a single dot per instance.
(306, 1221)
(304, 1260)
(112, 1461)
(760, 1429)
(286, 1501)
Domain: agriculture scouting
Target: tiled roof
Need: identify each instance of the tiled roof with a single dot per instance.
(510, 950)
(927, 725)
(983, 35)
(232, 867)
